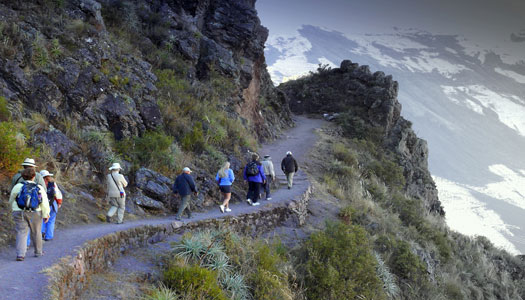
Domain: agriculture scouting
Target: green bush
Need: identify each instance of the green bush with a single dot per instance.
(355, 127)
(390, 172)
(153, 149)
(194, 140)
(5, 115)
(199, 282)
(268, 282)
(339, 264)
(344, 154)
(12, 149)
(406, 264)
(453, 291)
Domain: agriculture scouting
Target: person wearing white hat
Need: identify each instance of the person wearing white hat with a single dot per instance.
(184, 185)
(116, 194)
(270, 175)
(28, 163)
(54, 195)
(289, 167)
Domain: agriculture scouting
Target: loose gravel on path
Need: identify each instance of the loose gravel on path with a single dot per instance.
(25, 280)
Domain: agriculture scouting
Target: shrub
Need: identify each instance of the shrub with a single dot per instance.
(5, 115)
(339, 264)
(344, 154)
(194, 140)
(453, 292)
(406, 264)
(390, 172)
(268, 282)
(12, 152)
(161, 293)
(197, 281)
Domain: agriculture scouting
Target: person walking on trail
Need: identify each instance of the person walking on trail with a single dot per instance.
(54, 195)
(116, 193)
(184, 185)
(30, 208)
(289, 167)
(28, 163)
(270, 175)
(225, 180)
(254, 174)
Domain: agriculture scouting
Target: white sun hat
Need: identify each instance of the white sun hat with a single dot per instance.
(115, 166)
(29, 162)
(186, 169)
(45, 173)
(289, 153)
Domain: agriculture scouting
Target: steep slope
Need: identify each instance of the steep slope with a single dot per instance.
(464, 98)
(153, 85)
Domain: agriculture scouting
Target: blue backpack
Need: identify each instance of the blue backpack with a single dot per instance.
(29, 197)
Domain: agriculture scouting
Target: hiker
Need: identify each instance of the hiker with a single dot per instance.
(30, 207)
(28, 163)
(289, 167)
(54, 195)
(184, 185)
(270, 175)
(116, 194)
(225, 180)
(254, 174)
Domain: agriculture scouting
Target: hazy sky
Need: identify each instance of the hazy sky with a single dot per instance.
(482, 20)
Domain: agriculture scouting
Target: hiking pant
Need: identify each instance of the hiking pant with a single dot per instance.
(185, 200)
(47, 228)
(28, 221)
(289, 178)
(267, 186)
(254, 191)
(118, 205)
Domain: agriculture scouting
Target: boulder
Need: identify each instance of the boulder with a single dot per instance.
(153, 184)
(62, 148)
(146, 202)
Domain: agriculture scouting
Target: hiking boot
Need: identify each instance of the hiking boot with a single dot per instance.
(20, 258)
(228, 209)
(249, 201)
(269, 199)
(289, 187)
(221, 207)
(44, 236)
(108, 219)
(256, 203)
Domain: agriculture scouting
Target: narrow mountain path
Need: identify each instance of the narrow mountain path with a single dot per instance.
(25, 280)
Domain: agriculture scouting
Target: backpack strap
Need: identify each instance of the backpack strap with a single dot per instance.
(118, 188)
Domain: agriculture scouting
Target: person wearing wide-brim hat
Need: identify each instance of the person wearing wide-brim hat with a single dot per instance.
(184, 185)
(116, 193)
(54, 195)
(28, 163)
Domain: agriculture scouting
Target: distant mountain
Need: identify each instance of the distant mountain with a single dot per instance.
(466, 101)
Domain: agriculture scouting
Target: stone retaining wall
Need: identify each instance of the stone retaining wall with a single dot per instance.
(69, 277)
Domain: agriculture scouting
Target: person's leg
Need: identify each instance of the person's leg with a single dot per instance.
(114, 206)
(35, 225)
(121, 208)
(256, 191)
(28, 239)
(22, 229)
(267, 187)
(49, 227)
(289, 178)
(183, 203)
(227, 197)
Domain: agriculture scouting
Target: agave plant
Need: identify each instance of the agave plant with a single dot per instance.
(236, 287)
(190, 248)
(389, 280)
(219, 263)
(162, 292)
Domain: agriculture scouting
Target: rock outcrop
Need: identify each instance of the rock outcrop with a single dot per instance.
(370, 100)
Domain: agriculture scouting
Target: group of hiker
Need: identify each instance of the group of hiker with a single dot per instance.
(36, 198)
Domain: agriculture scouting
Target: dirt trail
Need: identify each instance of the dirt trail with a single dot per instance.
(24, 280)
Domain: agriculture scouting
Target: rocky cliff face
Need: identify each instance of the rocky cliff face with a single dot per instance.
(90, 68)
(370, 102)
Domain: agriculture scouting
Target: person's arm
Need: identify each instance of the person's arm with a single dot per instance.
(272, 171)
(44, 206)
(16, 180)
(261, 171)
(295, 164)
(191, 182)
(40, 180)
(244, 173)
(123, 181)
(231, 176)
(14, 192)
(282, 165)
(58, 195)
(175, 187)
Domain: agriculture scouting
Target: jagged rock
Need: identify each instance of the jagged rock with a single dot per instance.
(153, 184)
(63, 149)
(46, 97)
(121, 120)
(348, 66)
(146, 202)
(14, 75)
(92, 8)
(150, 113)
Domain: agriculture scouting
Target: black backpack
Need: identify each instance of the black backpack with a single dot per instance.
(252, 169)
(29, 197)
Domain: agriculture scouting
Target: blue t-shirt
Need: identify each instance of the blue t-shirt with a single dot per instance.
(226, 180)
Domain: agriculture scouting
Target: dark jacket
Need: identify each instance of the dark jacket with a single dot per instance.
(184, 185)
(18, 179)
(289, 164)
(261, 177)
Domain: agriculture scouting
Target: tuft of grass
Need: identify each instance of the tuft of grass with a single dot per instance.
(5, 115)
(38, 123)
